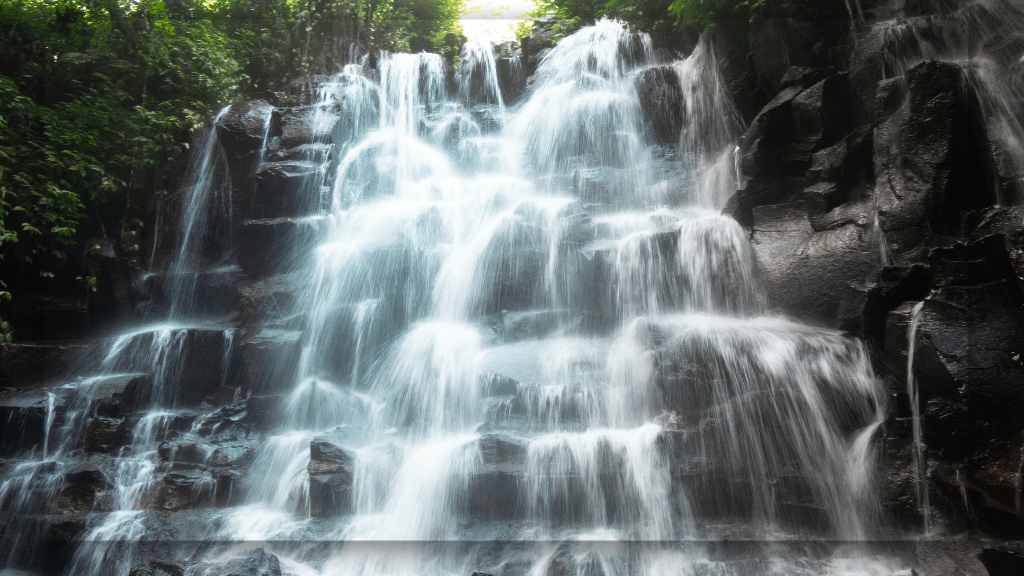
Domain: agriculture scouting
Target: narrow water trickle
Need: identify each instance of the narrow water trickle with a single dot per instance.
(920, 470)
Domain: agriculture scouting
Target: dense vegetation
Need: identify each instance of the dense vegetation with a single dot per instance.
(98, 99)
(662, 19)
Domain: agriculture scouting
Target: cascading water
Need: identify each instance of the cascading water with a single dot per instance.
(530, 342)
(456, 220)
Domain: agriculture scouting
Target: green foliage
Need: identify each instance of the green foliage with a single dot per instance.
(652, 16)
(98, 98)
(662, 19)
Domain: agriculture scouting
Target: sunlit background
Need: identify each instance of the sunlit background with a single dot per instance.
(494, 20)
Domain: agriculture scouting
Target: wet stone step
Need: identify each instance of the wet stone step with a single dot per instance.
(273, 245)
(28, 363)
(27, 415)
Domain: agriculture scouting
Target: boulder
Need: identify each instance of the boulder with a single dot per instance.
(330, 479)
(968, 369)
(1005, 560)
(661, 102)
(511, 77)
(535, 45)
(763, 150)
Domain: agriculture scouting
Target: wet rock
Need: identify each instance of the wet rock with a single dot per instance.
(82, 487)
(866, 68)
(258, 564)
(156, 568)
(262, 361)
(661, 102)
(24, 414)
(262, 410)
(262, 299)
(270, 246)
(183, 452)
(792, 37)
(278, 190)
(497, 449)
(25, 363)
(930, 161)
(530, 324)
(897, 484)
(228, 422)
(849, 162)
(534, 45)
(811, 275)
(184, 489)
(1006, 560)
(494, 494)
(821, 113)
(243, 129)
(803, 77)
(763, 150)
(890, 96)
(511, 77)
(494, 490)
(488, 117)
(297, 127)
(968, 369)
(330, 479)
(199, 366)
(120, 396)
(514, 260)
(106, 435)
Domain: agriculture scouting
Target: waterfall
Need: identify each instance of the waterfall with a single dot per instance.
(530, 343)
(574, 346)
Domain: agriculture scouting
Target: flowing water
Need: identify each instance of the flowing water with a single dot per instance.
(542, 346)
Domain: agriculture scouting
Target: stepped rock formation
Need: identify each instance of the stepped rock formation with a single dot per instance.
(604, 321)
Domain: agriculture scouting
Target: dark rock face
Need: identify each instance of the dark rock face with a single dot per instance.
(807, 273)
(262, 359)
(245, 128)
(661, 101)
(269, 246)
(330, 479)
(277, 191)
(106, 435)
(25, 413)
(24, 363)
(267, 298)
(930, 160)
(968, 366)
